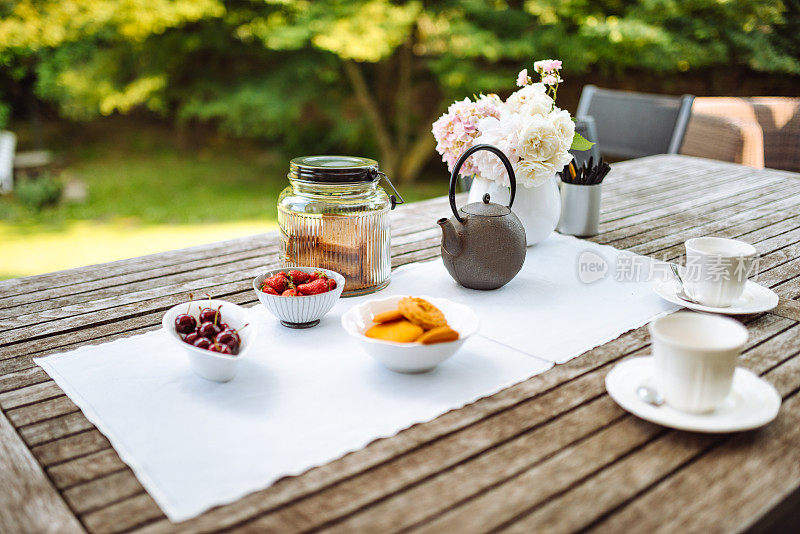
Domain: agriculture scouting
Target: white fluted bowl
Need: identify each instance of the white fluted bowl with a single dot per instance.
(409, 357)
(212, 365)
(302, 311)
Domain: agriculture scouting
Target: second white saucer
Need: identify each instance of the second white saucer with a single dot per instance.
(753, 402)
(755, 299)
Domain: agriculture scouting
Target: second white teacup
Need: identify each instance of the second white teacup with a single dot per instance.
(695, 358)
(717, 269)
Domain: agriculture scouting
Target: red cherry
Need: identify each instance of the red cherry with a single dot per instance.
(210, 315)
(202, 343)
(191, 337)
(229, 338)
(185, 323)
(208, 330)
(222, 349)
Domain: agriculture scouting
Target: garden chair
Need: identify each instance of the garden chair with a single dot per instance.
(632, 125)
(758, 132)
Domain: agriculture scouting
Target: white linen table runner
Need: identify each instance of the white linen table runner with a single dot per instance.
(303, 398)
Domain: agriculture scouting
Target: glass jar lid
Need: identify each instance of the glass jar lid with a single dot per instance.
(334, 169)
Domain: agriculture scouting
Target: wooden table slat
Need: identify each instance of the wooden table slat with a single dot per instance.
(29, 502)
(650, 212)
(746, 217)
(738, 208)
(719, 191)
(716, 506)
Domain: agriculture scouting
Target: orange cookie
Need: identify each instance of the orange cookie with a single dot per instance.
(401, 331)
(385, 317)
(421, 312)
(440, 334)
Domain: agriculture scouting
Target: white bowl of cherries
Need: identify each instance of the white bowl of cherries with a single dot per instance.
(215, 334)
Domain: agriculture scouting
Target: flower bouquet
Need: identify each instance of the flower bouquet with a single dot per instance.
(532, 132)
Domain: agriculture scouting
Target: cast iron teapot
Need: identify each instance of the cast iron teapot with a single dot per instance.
(483, 244)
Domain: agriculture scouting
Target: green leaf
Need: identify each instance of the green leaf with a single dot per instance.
(579, 142)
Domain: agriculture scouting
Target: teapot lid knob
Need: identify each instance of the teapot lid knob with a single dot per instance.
(454, 177)
(486, 198)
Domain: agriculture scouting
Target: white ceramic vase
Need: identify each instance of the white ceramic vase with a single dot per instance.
(538, 208)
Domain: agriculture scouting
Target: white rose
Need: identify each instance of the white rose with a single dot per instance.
(533, 173)
(488, 125)
(562, 158)
(502, 133)
(565, 126)
(491, 99)
(540, 105)
(539, 140)
(493, 132)
(534, 92)
(489, 165)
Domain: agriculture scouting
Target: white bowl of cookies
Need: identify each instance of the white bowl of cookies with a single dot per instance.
(410, 334)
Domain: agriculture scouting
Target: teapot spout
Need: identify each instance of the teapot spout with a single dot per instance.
(451, 238)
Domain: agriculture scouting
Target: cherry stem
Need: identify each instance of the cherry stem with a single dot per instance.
(217, 315)
(189, 307)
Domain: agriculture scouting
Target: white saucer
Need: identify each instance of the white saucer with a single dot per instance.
(752, 403)
(755, 299)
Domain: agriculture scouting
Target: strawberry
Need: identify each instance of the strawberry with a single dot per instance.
(299, 277)
(269, 290)
(331, 284)
(313, 288)
(277, 282)
(312, 277)
(282, 273)
(289, 293)
(317, 275)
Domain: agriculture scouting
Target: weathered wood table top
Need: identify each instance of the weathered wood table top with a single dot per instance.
(552, 453)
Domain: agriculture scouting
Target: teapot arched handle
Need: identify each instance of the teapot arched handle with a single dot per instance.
(454, 175)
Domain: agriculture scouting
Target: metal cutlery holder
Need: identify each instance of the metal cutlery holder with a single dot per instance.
(580, 209)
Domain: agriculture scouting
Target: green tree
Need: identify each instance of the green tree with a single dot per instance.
(365, 76)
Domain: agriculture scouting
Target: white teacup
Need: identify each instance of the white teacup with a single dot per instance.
(695, 357)
(717, 269)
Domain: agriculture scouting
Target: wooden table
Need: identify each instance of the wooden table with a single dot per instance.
(552, 453)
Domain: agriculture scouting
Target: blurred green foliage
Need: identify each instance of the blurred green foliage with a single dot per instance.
(366, 76)
(135, 171)
(39, 192)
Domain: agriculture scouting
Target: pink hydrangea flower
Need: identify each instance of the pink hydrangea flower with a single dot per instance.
(522, 78)
(456, 131)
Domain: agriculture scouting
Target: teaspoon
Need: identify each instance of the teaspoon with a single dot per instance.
(681, 293)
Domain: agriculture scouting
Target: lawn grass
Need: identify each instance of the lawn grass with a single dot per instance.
(148, 194)
(41, 249)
